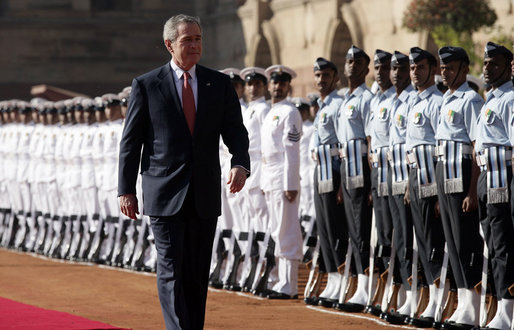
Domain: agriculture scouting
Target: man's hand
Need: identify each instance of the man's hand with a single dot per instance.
(470, 203)
(406, 197)
(291, 195)
(236, 179)
(128, 205)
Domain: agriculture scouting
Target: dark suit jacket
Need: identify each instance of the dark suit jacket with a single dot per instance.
(172, 159)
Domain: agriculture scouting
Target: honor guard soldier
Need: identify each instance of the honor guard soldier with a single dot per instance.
(493, 147)
(238, 83)
(379, 147)
(330, 215)
(26, 129)
(60, 172)
(422, 121)
(280, 180)
(255, 210)
(231, 219)
(398, 178)
(457, 197)
(353, 133)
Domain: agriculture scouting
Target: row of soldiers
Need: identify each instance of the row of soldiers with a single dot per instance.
(438, 168)
(408, 185)
(423, 160)
(58, 182)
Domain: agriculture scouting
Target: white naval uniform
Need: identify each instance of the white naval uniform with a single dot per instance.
(22, 173)
(4, 196)
(254, 208)
(280, 143)
(307, 168)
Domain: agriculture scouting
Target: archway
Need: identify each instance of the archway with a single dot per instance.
(341, 42)
(263, 53)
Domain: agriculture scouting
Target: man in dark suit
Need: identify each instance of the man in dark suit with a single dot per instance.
(177, 113)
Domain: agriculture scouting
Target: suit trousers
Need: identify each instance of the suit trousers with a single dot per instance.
(461, 230)
(331, 222)
(184, 246)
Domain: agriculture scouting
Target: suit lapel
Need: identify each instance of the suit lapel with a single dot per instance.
(168, 91)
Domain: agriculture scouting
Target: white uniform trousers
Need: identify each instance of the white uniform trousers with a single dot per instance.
(286, 232)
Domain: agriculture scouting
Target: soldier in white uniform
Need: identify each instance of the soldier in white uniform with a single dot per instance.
(78, 209)
(50, 193)
(58, 221)
(26, 128)
(255, 209)
(4, 197)
(280, 180)
(108, 196)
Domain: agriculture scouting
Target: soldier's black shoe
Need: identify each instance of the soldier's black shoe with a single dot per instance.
(280, 295)
(456, 326)
(263, 293)
(311, 301)
(422, 322)
(326, 302)
(349, 307)
(234, 287)
(395, 318)
(374, 310)
(216, 284)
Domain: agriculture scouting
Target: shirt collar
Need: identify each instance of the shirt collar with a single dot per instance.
(179, 72)
(459, 92)
(259, 100)
(498, 92)
(405, 94)
(327, 99)
(358, 91)
(427, 92)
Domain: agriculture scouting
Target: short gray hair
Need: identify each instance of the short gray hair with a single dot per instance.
(171, 26)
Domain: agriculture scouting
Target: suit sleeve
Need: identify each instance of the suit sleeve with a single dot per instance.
(132, 140)
(233, 131)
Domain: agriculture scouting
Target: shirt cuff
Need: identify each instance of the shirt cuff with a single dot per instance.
(246, 170)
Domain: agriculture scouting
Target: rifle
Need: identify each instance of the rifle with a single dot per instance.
(221, 253)
(262, 284)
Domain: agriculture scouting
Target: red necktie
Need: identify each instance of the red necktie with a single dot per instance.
(188, 102)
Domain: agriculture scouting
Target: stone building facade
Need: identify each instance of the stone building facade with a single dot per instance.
(98, 46)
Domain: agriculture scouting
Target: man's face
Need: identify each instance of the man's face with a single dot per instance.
(421, 73)
(356, 69)
(382, 71)
(78, 116)
(278, 90)
(34, 116)
(255, 89)
(325, 80)
(239, 87)
(186, 50)
(495, 69)
(454, 74)
(400, 75)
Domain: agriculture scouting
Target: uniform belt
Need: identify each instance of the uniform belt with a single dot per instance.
(275, 158)
(466, 150)
(364, 150)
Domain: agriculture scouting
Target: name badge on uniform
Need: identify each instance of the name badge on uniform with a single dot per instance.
(489, 116)
(382, 114)
(275, 120)
(450, 116)
(349, 110)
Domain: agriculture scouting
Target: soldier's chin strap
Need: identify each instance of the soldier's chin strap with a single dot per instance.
(457, 75)
(428, 76)
(494, 83)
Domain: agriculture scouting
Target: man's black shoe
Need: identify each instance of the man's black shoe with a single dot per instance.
(349, 307)
(422, 322)
(456, 326)
(280, 295)
(395, 318)
(374, 310)
(311, 301)
(326, 302)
